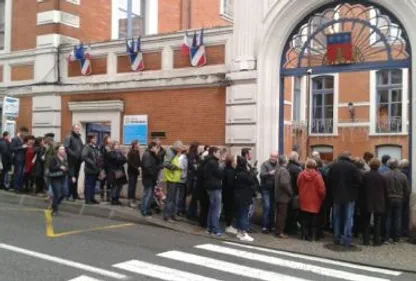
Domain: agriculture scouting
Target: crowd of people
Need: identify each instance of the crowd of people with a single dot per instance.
(348, 196)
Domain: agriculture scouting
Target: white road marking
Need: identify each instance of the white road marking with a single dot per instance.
(335, 273)
(228, 267)
(84, 278)
(322, 260)
(160, 272)
(61, 261)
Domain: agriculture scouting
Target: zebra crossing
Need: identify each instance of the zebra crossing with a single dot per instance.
(233, 261)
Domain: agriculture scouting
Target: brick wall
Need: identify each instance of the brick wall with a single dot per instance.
(99, 66)
(152, 61)
(214, 54)
(22, 72)
(169, 16)
(186, 114)
(206, 13)
(25, 113)
(23, 25)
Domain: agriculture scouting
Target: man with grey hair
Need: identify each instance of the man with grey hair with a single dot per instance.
(294, 169)
(284, 194)
(397, 190)
(267, 177)
(316, 155)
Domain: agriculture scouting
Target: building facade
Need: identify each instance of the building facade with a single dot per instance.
(267, 84)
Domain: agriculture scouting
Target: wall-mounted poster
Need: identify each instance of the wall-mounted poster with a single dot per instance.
(135, 128)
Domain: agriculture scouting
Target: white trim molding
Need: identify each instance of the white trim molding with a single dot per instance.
(54, 40)
(96, 106)
(336, 101)
(75, 2)
(55, 16)
(356, 104)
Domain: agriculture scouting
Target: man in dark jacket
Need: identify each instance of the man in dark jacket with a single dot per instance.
(397, 190)
(133, 171)
(73, 145)
(6, 158)
(150, 172)
(90, 155)
(405, 168)
(284, 195)
(294, 169)
(213, 185)
(19, 151)
(267, 176)
(344, 180)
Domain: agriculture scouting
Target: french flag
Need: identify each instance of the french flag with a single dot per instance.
(135, 54)
(80, 54)
(195, 48)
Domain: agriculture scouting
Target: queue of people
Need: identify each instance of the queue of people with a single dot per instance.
(348, 196)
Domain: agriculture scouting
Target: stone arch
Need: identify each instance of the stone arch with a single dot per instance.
(274, 36)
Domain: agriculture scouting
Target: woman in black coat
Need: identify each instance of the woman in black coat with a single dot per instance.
(58, 172)
(133, 171)
(244, 192)
(116, 176)
(228, 190)
(372, 200)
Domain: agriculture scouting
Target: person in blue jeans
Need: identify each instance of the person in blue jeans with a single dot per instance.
(58, 172)
(344, 180)
(267, 176)
(213, 185)
(243, 190)
(150, 173)
(90, 155)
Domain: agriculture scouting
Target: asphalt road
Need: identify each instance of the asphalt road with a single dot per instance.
(91, 249)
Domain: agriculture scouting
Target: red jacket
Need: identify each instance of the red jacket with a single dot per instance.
(311, 191)
(30, 154)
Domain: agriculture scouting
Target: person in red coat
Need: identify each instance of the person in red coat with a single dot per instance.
(311, 195)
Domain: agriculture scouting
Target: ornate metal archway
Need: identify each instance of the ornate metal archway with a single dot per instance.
(348, 37)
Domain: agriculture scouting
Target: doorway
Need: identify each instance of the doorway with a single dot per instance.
(100, 129)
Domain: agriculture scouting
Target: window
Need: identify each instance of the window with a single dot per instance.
(227, 9)
(391, 30)
(389, 101)
(2, 23)
(394, 151)
(137, 20)
(297, 99)
(322, 105)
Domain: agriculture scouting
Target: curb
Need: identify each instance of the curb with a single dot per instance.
(134, 216)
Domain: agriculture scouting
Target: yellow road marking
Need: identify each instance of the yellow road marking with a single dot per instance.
(50, 232)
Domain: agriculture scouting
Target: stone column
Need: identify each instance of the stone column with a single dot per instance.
(247, 18)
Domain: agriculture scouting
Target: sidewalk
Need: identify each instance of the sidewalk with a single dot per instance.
(400, 256)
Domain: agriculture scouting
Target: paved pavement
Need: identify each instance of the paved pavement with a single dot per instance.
(397, 257)
(83, 248)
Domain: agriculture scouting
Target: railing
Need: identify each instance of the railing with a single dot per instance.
(391, 125)
(322, 126)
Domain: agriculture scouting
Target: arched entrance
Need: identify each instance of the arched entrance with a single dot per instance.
(354, 59)
(273, 36)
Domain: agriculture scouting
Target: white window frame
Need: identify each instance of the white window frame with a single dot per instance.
(7, 26)
(398, 147)
(335, 105)
(151, 18)
(373, 104)
(302, 98)
(223, 14)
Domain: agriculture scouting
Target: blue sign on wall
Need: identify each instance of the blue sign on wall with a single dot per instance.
(135, 128)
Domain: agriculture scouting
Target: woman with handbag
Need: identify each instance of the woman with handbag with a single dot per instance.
(116, 176)
(58, 171)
